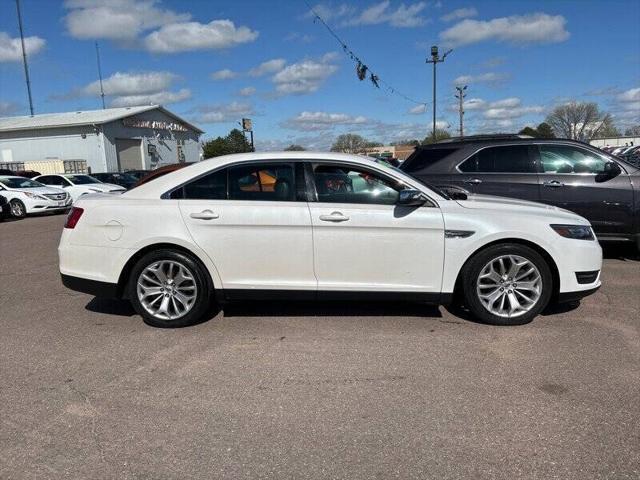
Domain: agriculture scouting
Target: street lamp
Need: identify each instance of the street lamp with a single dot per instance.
(435, 59)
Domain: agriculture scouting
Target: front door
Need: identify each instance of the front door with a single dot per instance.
(363, 241)
(502, 170)
(573, 178)
(249, 220)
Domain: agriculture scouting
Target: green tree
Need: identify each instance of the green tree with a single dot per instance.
(433, 137)
(234, 142)
(532, 132)
(545, 131)
(294, 148)
(349, 143)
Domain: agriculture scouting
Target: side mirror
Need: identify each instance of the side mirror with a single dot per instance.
(411, 198)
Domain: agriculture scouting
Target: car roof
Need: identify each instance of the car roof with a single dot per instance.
(172, 179)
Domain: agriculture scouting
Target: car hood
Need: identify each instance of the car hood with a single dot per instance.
(40, 190)
(513, 204)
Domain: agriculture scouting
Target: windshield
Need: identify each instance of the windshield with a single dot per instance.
(82, 179)
(19, 182)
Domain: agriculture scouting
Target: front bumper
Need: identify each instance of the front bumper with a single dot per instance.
(567, 297)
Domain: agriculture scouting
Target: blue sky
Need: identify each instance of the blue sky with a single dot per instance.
(215, 62)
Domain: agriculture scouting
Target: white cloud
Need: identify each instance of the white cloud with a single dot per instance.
(305, 76)
(116, 19)
(460, 13)
(247, 91)
(631, 95)
(517, 29)
(126, 84)
(489, 77)
(511, 102)
(270, 66)
(11, 50)
(405, 16)
(310, 121)
(158, 98)
(472, 104)
(221, 113)
(509, 108)
(181, 37)
(8, 108)
(418, 109)
(224, 74)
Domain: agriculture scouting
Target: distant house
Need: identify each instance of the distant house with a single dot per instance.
(109, 140)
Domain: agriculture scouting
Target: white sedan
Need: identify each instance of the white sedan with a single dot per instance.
(303, 225)
(26, 196)
(78, 184)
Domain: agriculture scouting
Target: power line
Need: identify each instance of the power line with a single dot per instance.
(361, 67)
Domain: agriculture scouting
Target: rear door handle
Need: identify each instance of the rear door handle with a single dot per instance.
(472, 181)
(205, 215)
(553, 184)
(334, 217)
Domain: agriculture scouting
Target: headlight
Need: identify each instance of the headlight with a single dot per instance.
(577, 232)
(34, 196)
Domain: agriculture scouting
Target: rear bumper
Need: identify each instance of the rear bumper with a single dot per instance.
(92, 287)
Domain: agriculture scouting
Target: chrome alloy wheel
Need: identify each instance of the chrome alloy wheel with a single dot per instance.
(17, 210)
(167, 289)
(509, 286)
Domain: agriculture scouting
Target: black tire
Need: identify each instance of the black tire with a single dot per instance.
(200, 278)
(473, 268)
(18, 210)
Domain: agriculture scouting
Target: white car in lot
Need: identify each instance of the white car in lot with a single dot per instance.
(78, 184)
(27, 196)
(304, 225)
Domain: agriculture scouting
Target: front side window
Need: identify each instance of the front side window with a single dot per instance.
(266, 182)
(568, 159)
(501, 159)
(338, 184)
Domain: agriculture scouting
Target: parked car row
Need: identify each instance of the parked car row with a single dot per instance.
(49, 193)
(629, 153)
(565, 173)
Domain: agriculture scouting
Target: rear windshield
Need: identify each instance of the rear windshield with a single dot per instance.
(423, 158)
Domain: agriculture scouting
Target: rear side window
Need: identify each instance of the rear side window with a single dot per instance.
(210, 187)
(266, 182)
(423, 158)
(502, 159)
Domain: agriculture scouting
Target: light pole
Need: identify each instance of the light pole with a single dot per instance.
(435, 59)
(24, 57)
(460, 96)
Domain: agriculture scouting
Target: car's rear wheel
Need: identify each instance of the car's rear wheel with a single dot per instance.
(169, 289)
(18, 209)
(507, 284)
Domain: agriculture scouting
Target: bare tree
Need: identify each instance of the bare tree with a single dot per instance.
(633, 131)
(349, 143)
(579, 121)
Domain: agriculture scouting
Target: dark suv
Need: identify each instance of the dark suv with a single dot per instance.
(570, 174)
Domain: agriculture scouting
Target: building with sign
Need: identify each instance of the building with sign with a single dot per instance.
(110, 140)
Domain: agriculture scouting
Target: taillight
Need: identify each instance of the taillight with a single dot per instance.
(74, 217)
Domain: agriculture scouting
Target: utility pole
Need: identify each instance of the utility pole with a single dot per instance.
(24, 57)
(100, 75)
(460, 96)
(435, 59)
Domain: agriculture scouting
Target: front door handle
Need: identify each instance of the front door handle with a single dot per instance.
(472, 181)
(553, 184)
(334, 217)
(205, 215)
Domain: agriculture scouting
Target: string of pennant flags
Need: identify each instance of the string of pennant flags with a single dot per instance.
(363, 71)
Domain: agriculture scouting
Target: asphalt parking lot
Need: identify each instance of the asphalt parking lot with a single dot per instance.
(310, 390)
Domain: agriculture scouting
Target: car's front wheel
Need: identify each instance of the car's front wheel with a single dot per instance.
(18, 210)
(169, 289)
(507, 284)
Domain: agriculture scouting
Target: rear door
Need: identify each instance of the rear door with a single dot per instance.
(364, 242)
(254, 225)
(572, 177)
(502, 170)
